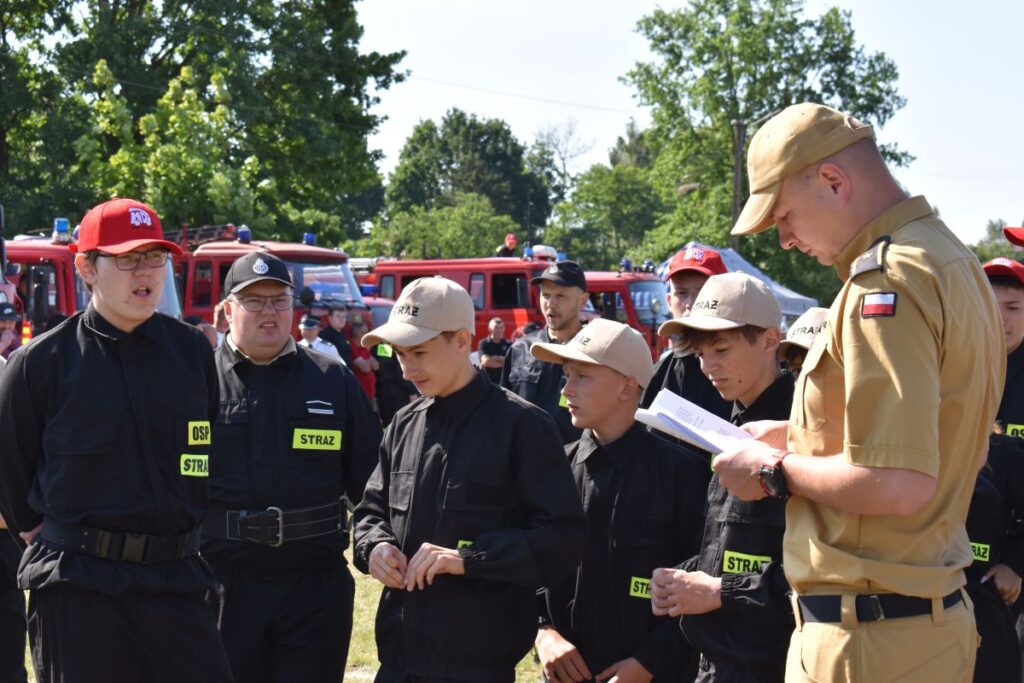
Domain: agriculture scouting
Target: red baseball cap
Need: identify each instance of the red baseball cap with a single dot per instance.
(120, 226)
(706, 261)
(1014, 235)
(511, 236)
(1005, 266)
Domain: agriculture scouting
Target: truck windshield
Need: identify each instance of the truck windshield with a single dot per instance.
(329, 281)
(644, 293)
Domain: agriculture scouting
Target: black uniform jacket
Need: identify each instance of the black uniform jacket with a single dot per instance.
(340, 342)
(260, 458)
(1005, 471)
(111, 430)
(538, 382)
(393, 390)
(483, 471)
(1011, 408)
(644, 500)
(743, 545)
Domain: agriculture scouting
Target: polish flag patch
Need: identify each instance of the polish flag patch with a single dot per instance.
(878, 305)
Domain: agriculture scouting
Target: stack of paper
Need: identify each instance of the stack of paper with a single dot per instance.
(687, 421)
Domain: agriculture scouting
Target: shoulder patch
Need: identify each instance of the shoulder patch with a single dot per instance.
(878, 305)
(872, 259)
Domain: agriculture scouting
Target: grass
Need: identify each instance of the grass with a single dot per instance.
(362, 652)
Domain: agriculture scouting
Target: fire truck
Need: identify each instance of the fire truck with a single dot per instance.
(322, 276)
(500, 287)
(43, 271)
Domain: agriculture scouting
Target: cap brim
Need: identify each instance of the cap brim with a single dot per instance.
(559, 353)
(132, 245)
(242, 285)
(398, 333)
(562, 282)
(708, 323)
(757, 212)
(1003, 270)
(1014, 235)
(697, 269)
(787, 344)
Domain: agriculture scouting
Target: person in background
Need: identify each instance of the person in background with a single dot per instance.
(492, 349)
(644, 501)
(679, 369)
(309, 328)
(220, 321)
(393, 390)
(364, 365)
(10, 338)
(799, 338)
(508, 248)
(334, 332)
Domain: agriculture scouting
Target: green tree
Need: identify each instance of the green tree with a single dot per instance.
(723, 61)
(468, 227)
(468, 155)
(994, 244)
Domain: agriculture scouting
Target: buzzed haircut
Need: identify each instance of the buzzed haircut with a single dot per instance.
(1005, 281)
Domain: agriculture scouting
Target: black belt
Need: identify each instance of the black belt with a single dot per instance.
(275, 526)
(121, 546)
(826, 608)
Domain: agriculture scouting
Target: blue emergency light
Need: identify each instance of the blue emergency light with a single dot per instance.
(309, 239)
(61, 230)
(528, 252)
(244, 234)
(561, 255)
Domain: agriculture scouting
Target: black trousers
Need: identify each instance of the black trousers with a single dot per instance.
(730, 672)
(392, 674)
(999, 654)
(278, 631)
(81, 636)
(12, 613)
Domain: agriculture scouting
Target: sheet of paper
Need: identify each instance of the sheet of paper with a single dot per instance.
(689, 422)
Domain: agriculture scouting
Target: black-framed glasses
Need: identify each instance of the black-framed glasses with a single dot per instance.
(255, 304)
(130, 261)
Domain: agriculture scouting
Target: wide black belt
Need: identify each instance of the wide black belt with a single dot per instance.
(827, 608)
(121, 546)
(275, 526)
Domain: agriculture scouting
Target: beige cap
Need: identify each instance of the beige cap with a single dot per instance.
(604, 342)
(805, 329)
(726, 302)
(425, 308)
(791, 140)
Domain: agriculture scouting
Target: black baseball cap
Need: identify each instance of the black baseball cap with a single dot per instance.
(8, 311)
(255, 267)
(564, 273)
(309, 321)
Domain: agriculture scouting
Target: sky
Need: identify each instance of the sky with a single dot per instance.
(538, 64)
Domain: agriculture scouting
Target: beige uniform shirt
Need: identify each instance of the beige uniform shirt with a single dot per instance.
(907, 374)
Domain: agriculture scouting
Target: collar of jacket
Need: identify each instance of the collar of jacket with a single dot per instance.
(766, 405)
(619, 452)
(235, 355)
(98, 324)
(888, 222)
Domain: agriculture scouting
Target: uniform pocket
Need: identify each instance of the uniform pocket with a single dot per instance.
(316, 434)
(230, 435)
(751, 534)
(810, 390)
(400, 489)
(471, 507)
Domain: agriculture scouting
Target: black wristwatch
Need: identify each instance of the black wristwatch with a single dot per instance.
(773, 481)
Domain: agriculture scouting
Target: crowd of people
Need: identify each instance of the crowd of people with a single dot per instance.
(178, 496)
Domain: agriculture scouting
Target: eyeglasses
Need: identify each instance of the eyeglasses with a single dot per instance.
(130, 261)
(255, 304)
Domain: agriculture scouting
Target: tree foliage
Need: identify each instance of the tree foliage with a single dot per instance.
(468, 155)
(275, 105)
(994, 244)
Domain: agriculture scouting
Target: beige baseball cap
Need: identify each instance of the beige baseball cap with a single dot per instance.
(805, 329)
(726, 302)
(603, 342)
(425, 308)
(791, 140)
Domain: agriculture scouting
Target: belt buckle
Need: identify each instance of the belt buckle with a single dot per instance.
(876, 607)
(280, 527)
(134, 549)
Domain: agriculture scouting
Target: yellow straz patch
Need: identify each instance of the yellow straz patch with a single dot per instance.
(1015, 430)
(384, 351)
(317, 439)
(195, 465)
(199, 433)
(982, 551)
(464, 544)
(739, 563)
(640, 588)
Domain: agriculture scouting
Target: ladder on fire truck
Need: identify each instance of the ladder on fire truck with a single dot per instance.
(189, 236)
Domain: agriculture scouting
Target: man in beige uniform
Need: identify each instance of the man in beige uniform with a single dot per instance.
(891, 413)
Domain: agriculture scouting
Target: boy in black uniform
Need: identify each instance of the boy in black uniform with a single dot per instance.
(1007, 279)
(644, 501)
(734, 593)
(563, 294)
(471, 509)
(294, 435)
(105, 433)
(334, 331)
(679, 369)
(12, 603)
(393, 390)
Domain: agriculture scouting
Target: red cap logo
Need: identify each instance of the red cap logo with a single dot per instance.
(120, 226)
(703, 261)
